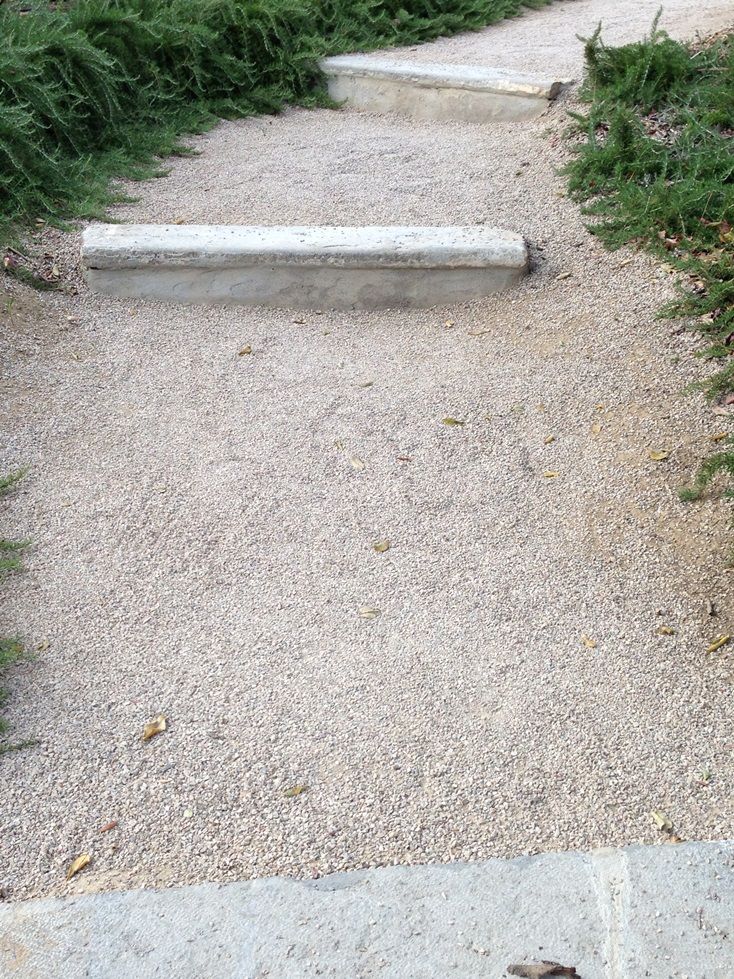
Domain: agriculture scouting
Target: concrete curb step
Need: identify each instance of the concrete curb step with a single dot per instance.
(302, 267)
(660, 911)
(461, 93)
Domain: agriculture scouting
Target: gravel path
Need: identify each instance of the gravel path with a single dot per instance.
(202, 544)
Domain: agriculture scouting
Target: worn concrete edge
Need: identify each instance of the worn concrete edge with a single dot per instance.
(112, 247)
(431, 75)
(609, 867)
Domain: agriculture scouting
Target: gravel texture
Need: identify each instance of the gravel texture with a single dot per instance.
(202, 543)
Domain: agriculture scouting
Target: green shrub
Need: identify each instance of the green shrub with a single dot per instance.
(656, 167)
(99, 88)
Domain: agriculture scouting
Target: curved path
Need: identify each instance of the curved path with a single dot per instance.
(202, 544)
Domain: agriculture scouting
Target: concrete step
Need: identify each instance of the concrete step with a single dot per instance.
(302, 267)
(660, 911)
(460, 93)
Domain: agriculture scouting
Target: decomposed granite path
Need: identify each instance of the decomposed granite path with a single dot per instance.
(203, 527)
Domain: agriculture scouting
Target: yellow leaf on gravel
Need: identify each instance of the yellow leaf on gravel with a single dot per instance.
(295, 790)
(245, 350)
(79, 864)
(356, 463)
(548, 439)
(381, 546)
(657, 455)
(662, 821)
(448, 324)
(452, 421)
(718, 436)
(718, 643)
(156, 726)
(367, 612)
(589, 643)
(551, 474)
(665, 630)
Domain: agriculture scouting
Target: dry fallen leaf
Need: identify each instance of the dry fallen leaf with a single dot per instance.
(541, 970)
(448, 324)
(674, 838)
(551, 474)
(588, 642)
(452, 421)
(665, 630)
(366, 612)
(381, 546)
(718, 643)
(156, 726)
(356, 463)
(657, 455)
(662, 821)
(563, 275)
(108, 826)
(595, 428)
(404, 458)
(548, 439)
(718, 436)
(365, 384)
(295, 790)
(245, 350)
(79, 864)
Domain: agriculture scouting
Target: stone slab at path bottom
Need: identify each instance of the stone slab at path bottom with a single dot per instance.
(457, 93)
(659, 911)
(303, 267)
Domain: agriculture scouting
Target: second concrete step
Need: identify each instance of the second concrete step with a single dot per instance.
(460, 93)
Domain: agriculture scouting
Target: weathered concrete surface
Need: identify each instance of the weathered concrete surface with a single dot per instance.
(664, 912)
(303, 267)
(462, 93)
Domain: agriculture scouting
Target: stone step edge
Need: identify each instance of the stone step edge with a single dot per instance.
(112, 247)
(481, 78)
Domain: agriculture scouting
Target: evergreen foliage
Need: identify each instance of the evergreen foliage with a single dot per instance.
(97, 89)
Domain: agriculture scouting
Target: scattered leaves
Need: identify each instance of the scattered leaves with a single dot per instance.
(367, 612)
(665, 630)
(356, 463)
(76, 865)
(657, 455)
(244, 351)
(452, 421)
(718, 643)
(551, 474)
(156, 726)
(295, 790)
(381, 546)
(663, 822)
(588, 642)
